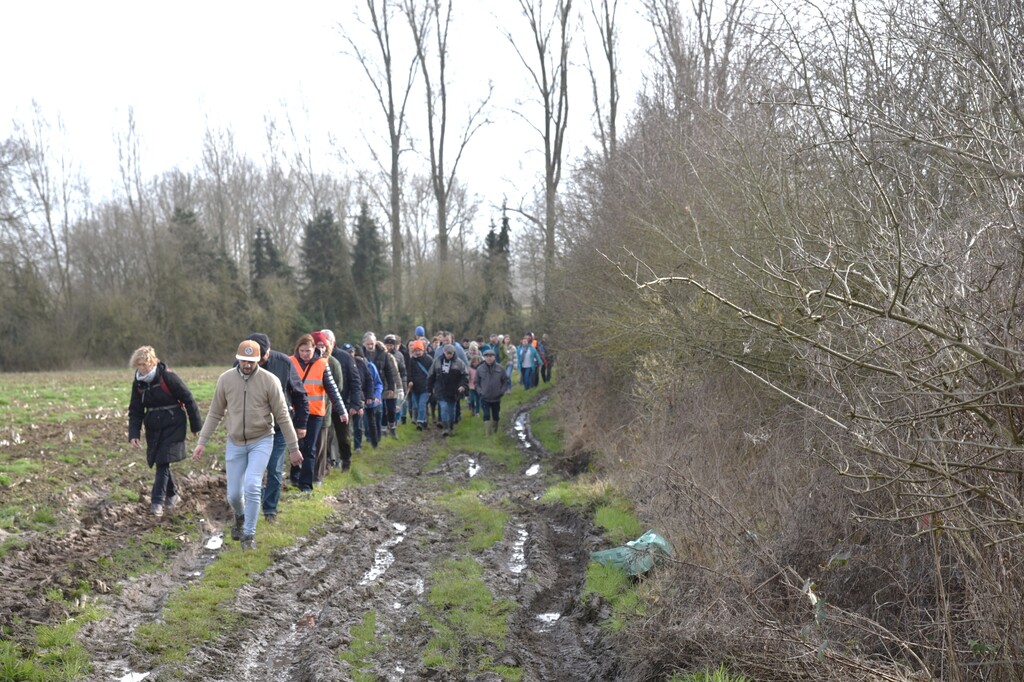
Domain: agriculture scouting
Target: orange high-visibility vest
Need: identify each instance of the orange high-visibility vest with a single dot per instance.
(313, 380)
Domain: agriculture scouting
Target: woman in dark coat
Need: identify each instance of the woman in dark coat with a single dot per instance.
(448, 381)
(160, 401)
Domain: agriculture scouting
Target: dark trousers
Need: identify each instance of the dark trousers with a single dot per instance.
(302, 476)
(343, 434)
(390, 411)
(323, 451)
(367, 424)
(163, 484)
(491, 410)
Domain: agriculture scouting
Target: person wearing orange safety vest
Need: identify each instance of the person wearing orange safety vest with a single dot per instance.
(320, 387)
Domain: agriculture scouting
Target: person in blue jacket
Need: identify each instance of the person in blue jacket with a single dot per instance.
(529, 362)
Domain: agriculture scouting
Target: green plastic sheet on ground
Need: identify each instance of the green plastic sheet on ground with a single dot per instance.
(638, 556)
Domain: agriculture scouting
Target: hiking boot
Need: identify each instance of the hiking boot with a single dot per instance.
(419, 426)
(172, 502)
(236, 530)
(270, 518)
(249, 542)
(156, 509)
(346, 465)
(394, 432)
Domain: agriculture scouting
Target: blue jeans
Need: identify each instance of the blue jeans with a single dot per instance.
(447, 408)
(527, 376)
(508, 373)
(275, 472)
(491, 410)
(245, 465)
(419, 406)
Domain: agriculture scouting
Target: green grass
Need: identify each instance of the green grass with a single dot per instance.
(56, 655)
(616, 588)
(480, 524)
(545, 427)
(148, 553)
(362, 647)
(465, 618)
(24, 517)
(619, 522)
(583, 491)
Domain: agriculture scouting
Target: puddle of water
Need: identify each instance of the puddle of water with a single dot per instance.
(215, 541)
(419, 586)
(474, 468)
(517, 564)
(520, 429)
(383, 558)
(134, 677)
(396, 606)
(547, 621)
(533, 470)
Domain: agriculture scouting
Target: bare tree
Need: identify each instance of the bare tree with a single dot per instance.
(135, 191)
(392, 97)
(604, 15)
(696, 53)
(47, 198)
(433, 65)
(548, 66)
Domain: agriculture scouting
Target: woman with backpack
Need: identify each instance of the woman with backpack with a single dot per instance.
(162, 403)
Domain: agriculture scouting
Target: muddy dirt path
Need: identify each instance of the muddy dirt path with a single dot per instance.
(376, 555)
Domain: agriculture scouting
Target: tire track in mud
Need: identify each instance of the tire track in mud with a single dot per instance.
(377, 554)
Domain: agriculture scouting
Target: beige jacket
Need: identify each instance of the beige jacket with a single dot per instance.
(251, 405)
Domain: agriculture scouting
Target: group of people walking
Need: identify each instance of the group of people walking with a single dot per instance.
(318, 405)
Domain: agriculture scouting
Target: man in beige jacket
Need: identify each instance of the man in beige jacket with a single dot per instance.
(250, 401)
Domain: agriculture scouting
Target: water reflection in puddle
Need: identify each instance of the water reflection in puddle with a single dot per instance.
(474, 468)
(520, 428)
(215, 541)
(547, 621)
(517, 563)
(134, 677)
(533, 470)
(383, 558)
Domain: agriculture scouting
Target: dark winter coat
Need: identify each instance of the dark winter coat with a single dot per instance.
(491, 381)
(406, 358)
(387, 367)
(403, 377)
(419, 370)
(281, 366)
(352, 381)
(365, 379)
(162, 406)
(445, 384)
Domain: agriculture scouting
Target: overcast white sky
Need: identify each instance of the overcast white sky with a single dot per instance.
(189, 65)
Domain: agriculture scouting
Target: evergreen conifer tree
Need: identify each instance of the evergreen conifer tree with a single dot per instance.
(369, 269)
(267, 264)
(327, 292)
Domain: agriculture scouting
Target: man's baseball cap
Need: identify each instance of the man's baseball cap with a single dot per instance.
(248, 351)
